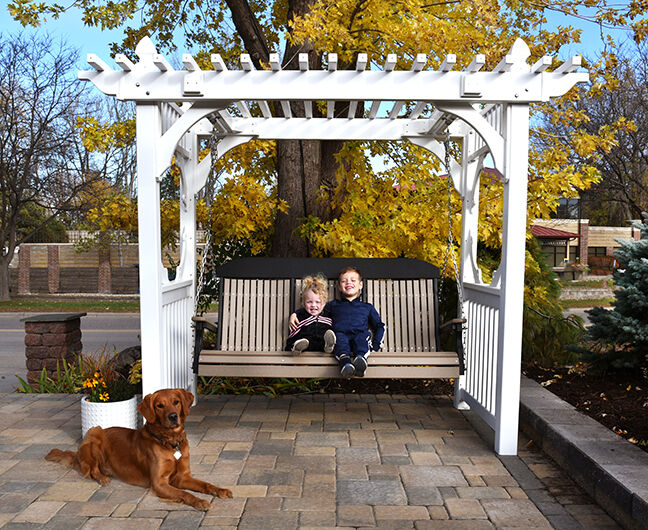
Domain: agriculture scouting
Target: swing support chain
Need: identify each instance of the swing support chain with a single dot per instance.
(199, 322)
(212, 178)
(450, 254)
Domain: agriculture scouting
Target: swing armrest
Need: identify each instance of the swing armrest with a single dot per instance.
(452, 324)
(200, 324)
(204, 323)
(456, 325)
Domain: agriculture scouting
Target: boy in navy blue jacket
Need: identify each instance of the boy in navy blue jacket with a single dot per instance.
(354, 322)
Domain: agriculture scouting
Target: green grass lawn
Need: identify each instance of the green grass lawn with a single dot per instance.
(67, 305)
(74, 305)
(588, 302)
(588, 284)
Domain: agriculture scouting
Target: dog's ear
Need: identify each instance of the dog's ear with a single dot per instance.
(145, 408)
(187, 399)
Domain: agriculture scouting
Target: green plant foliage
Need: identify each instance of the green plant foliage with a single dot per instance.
(68, 380)
(36, 226)
(217, 254)
(72, 378)
(621, 334)
(256, 385)
(546, 331)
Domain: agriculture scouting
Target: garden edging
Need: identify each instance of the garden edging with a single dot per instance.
(610, 469)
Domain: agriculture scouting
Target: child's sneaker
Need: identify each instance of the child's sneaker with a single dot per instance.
(347, 370)
(329, 341)
(300, 345)
(360, 365)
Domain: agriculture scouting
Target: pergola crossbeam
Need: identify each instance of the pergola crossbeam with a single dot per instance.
(512, 81)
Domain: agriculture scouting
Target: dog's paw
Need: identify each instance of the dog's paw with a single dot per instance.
(201, 504)
(223, 493)
(101, 479)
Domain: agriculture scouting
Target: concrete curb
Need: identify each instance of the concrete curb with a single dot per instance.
(610, 469)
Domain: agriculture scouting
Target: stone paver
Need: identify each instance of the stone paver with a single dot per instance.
(310, 461)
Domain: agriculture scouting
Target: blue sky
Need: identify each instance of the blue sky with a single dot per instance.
(71, 28)
(94, 40)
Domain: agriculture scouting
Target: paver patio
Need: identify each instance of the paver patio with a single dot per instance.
(306, 461)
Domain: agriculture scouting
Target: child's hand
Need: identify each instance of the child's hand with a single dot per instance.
(375, 346)
(292, 322)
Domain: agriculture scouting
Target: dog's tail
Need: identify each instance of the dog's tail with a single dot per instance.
(68, 458)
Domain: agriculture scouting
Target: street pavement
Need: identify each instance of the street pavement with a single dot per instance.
(100, 332)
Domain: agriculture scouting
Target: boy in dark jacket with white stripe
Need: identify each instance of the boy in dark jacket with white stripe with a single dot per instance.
(357, 325)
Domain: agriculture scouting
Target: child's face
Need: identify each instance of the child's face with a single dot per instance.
(350, 285)
(312, 303)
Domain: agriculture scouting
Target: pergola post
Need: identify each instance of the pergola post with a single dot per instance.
(516, 160)
(151, 271)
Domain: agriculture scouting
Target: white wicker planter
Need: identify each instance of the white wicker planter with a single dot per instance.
(117, 414)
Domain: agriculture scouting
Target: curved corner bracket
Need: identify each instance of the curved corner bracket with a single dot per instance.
(472, 181)
(474, 271)
(171, 138)
(488, 133)
(188, 169)
(230, 142)
(496, 282)
(184, 271)
(222, 147)
(438, 149)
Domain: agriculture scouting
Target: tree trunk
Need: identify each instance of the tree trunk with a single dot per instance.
(4, 276)
(303, 167)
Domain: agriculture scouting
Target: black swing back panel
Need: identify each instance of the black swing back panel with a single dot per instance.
(257, 296)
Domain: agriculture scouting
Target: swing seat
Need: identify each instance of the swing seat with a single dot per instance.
(257, 296)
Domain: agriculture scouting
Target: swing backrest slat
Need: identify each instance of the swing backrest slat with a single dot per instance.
(260, 293)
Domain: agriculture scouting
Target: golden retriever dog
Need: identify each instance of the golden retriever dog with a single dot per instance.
(155, 456)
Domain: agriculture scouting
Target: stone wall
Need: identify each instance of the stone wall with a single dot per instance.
(59, 268)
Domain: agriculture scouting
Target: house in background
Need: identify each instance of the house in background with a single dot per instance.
(570, 245)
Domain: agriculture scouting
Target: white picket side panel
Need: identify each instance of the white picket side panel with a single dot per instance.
(176, 354)
(477, 388)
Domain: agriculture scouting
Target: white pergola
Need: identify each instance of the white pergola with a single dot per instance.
(486, 111)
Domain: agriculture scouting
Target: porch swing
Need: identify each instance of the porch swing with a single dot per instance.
(257, 295)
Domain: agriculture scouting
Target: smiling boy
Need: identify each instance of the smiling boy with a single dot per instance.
(357, 325)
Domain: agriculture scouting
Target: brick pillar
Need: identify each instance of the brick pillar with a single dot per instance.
(105, 280)
(50, 339)
(24, 266)
(584, 241)
(53, 269)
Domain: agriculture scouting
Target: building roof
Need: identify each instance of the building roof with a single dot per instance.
(544, 232)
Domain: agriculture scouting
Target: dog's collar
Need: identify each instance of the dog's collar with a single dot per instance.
(177, 453)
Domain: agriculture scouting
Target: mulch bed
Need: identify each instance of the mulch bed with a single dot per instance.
(434, 387)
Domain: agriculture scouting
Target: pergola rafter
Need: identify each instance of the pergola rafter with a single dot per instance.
(486, 111)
